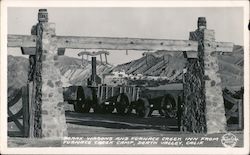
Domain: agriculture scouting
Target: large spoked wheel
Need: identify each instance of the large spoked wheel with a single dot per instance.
(122, 104)
(108, 108)
(142, 107)
(81, 105)
(168, 106)
(97, 106)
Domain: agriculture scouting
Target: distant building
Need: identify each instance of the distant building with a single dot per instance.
(115, 78)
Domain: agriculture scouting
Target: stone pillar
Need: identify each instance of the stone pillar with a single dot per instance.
(215, 110)
(203, 101)
(49, 116)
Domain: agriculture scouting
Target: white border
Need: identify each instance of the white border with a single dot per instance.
(123, 150)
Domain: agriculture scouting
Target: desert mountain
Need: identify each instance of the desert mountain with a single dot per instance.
(72, 70)
(170, 65)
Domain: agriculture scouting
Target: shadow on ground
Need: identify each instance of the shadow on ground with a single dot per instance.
(115, 121)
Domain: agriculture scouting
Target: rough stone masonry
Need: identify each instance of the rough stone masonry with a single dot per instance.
(203, 100)
(49, 119)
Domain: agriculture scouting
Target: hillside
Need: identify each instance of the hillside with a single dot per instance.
(72, 70)
(170, 65)
(17, 73)
(75, 73)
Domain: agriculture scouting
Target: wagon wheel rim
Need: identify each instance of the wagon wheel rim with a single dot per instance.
(109, 109)
(142, 108)
(122, 105)
(168, 107)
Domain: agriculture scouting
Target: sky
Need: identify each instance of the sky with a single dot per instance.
(156, 23)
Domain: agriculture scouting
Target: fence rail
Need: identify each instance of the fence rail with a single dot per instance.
(234, 112)
(22, 114)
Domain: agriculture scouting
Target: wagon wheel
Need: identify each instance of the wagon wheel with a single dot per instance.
(122, 104)
(97, 106)
(81, 105)
(108, 109)
(142, 107)
(168, 106)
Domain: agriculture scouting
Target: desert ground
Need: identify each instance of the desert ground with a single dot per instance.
(114, 125)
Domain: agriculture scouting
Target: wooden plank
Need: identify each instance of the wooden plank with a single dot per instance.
(125, 43)
(21, 41)
(101, 96)
(240, 115)
(31, 108)
(112, 91)
(233, 127)
(98, 91)
(16, 121)
(25, 102)
(15, 134)
(28, 50)
(232, 114)
(230, 99)
(170, 86)
(15, 116)
(106, 91)
(224, 46)
(75, 42)
(13, 101)
(32, 51)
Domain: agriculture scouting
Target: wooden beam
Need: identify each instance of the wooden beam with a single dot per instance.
(75, 42)
(21, 41)
(190, 54)
(32, 51)
(224, 47)
(25, 104)
(125, 43)
(28, 50)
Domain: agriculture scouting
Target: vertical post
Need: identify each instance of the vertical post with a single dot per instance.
(101, 95)
(82, 60)
(25, 102)
(240, 114)
(49, 116)
(107, 91)
(101, 58)
(31, 108)
(106, 60)
(93, 76)
(133, 93)
(179, 112)
(112, 91)
(98, 91)
(203, 101)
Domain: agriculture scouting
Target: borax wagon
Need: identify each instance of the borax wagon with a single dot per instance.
(123, 99)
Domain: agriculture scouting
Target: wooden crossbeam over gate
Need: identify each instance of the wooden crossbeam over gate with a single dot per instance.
(75, 42)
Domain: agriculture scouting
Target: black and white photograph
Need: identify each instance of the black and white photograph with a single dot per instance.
(125, 78)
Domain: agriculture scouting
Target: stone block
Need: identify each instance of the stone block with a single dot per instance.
(50, 83)
(58, 83)
(209, 35)
(50, 94)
